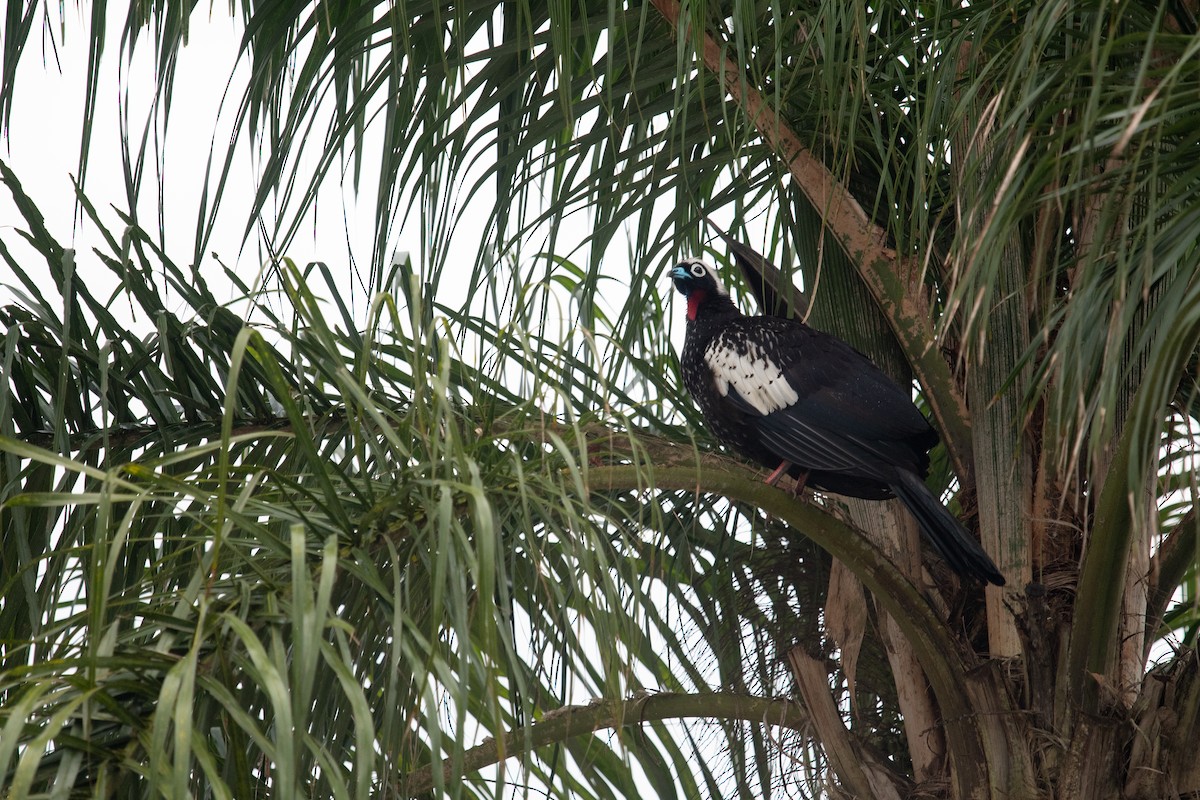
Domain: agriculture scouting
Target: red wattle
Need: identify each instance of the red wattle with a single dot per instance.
(694, 300)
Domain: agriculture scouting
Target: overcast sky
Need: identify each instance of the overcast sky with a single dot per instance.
(43, 142)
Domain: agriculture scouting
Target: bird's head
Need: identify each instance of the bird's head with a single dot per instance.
(697, 281)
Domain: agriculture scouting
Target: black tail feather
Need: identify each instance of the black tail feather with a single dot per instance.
(947, 535)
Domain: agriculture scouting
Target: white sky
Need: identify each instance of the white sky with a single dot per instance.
(42, 144)
(42, 147)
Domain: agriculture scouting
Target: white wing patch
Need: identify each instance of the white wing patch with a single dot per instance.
(743, 365)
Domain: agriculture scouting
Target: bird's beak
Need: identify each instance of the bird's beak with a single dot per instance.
(679, 278)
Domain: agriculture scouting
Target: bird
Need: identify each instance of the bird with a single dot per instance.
(803, 402)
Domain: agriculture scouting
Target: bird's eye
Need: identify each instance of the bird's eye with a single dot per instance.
(697, 269)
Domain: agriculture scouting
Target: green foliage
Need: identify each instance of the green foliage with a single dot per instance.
(293, 557)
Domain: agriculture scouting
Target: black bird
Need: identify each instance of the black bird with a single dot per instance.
(804, 402)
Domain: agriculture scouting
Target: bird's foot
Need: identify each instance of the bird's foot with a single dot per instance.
(801, 482)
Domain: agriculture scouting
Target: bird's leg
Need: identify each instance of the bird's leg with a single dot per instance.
(774, 477)
(801, 482)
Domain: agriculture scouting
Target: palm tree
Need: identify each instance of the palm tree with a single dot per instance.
(460, 548)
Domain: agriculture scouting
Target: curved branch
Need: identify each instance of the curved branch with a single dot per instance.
(935, 647)
(896, 285)
(568, 721)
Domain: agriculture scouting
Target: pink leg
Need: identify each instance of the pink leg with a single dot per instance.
(774, 477)
(801, 482)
